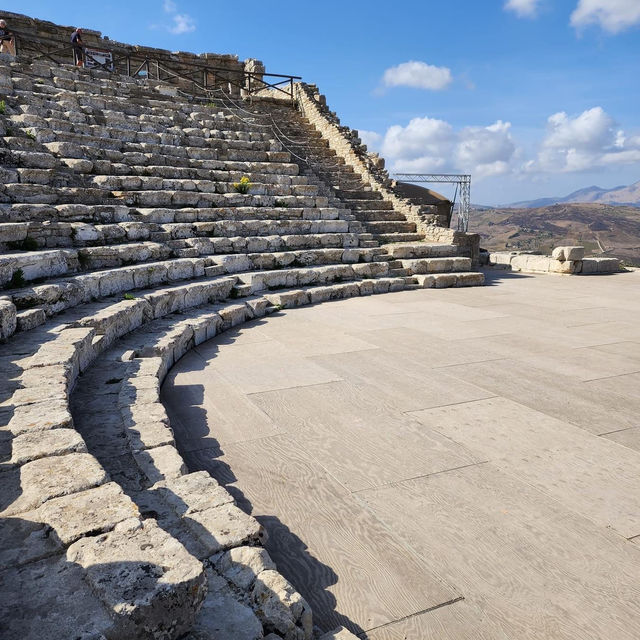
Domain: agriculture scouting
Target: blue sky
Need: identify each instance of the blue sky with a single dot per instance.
(533, 97)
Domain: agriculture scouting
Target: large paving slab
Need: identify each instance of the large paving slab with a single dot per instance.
(437, 464)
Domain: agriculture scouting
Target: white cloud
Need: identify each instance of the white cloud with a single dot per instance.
(425, 143)
(523, 8)
(180, 22)
(586, 141)
(431, 145)
(612, 15)
(486, 150)
(418, 75)
(370, 138)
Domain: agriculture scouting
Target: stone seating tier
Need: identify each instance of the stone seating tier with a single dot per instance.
(110, 187)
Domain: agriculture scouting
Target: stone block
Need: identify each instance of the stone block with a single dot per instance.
(160, 463)
(568, 253)
(223, 617)
(242, 565)
(48, 478)
(41, 416)
(30, 319)
(148, 581)
(224, 527)
(35, 445)
(280, 607)
(8, 320)
(600, 265)
(193, 493)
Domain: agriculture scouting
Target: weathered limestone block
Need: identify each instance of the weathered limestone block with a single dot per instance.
(53, 477)
(84, 232)
(149, 435)
(568, 253)
(8, 321)
(148, 581)
(35, 445)
(61, 521)
(280, 607)
(30, 319)
(73, 347)
(60, 603)
(445, 280)
(600, 265)
(192, 493)
(160, 463)
(242, 565)
(41, 416)
(222, 617)
(526, 262)
(47, 390)
(13, 231)
(88, 512)
(566, 266)
(224, 527)
(470, 279)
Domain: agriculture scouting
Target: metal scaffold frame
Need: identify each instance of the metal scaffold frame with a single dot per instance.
(462, 180)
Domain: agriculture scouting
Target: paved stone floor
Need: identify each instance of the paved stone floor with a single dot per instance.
(455, 464)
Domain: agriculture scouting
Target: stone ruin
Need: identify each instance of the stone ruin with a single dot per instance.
(563, 260)
(123, 244)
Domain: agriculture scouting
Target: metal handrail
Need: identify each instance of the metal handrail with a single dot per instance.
(248, 82)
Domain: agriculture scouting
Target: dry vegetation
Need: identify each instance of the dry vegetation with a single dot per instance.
(608, 230)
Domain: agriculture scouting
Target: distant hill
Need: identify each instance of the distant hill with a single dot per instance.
(604, 229)
(623, 195)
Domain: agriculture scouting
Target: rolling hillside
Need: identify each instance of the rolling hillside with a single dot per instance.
(622, 195)
(601, 228)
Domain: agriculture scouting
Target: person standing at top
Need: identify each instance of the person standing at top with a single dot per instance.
(78, 47)
(6, 39)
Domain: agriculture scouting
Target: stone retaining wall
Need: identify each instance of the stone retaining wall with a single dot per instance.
(346, 143)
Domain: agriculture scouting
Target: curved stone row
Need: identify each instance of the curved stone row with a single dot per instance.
(123, 243)
(92, 489)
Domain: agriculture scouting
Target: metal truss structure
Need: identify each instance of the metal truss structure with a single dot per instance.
(464, 185)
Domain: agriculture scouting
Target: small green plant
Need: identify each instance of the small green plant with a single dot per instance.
(3, 107)
(17, 280)
(277, 307)
(30, 134)
(211, 105)
(129, 296)
(281, 203)
(8, 131)
(243, 186)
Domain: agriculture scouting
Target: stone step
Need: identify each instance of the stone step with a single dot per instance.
(158, 183)
(378, 227)
(393, 238)
(435, 265)
(368, 205)
(134, 130)
(260, 281)
(420, 250)
(380, 216)
(349, 195)
(446, 280)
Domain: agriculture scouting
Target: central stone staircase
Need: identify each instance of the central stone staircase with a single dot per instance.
(123, 244)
